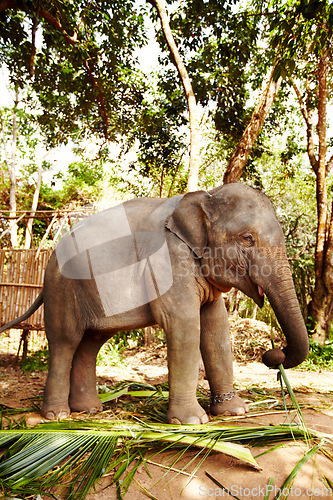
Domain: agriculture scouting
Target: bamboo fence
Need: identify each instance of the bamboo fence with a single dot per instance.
(22, 271)
(21, 280)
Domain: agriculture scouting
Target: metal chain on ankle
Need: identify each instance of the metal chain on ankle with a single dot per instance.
(220, 398)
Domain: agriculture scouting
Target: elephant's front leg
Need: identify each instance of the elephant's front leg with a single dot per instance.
(217, 356)
(183, 344)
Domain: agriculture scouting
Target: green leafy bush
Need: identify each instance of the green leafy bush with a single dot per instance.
(36, 361)
(320, 357)
(110, 355)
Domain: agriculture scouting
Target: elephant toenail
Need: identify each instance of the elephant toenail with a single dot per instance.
(204, 419)
(50, 415)
(194, 420)
(62, 414)
(175, 421)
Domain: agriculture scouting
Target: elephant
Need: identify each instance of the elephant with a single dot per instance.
(167, 261)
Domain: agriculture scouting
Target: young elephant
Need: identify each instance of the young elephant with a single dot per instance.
(166, 262)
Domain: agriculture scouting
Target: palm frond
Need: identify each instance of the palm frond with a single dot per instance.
(78, 453)
(74, 454)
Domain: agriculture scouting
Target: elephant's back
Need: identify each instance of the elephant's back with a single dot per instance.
(150, 214)
(113, 238)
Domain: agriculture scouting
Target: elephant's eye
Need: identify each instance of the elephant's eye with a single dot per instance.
(248, 239)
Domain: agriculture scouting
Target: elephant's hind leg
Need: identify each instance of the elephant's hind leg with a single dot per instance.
(55, 405)
(83, 395)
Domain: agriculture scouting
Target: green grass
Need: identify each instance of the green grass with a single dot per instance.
(319, 358)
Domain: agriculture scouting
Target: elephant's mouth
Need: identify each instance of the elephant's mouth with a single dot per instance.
(245, 285)
(254, 291)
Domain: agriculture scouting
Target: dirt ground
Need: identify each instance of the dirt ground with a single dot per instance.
(314, 391)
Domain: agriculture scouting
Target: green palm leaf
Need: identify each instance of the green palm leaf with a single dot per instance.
(78, 453)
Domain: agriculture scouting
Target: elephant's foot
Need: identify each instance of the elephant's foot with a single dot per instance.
(55, 411)
(186, 414)
(229, 406)
(86, 404)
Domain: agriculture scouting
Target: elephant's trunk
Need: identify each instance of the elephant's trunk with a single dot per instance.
(281, 294)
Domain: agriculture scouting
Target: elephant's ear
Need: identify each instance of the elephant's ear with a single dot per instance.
(190, 220)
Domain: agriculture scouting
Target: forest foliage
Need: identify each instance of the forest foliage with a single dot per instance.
(98, 78)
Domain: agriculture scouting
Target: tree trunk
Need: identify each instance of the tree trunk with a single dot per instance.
(320, 308)
(148, 333)
(320, 312)
(193, 173)
(328, 268)
(321, 299)
(322, 201)
(307, 114)
(28, 232)
(12, 177)
(244, 148)
(232, 301)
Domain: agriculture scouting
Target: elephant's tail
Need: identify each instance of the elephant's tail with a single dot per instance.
(38, 302)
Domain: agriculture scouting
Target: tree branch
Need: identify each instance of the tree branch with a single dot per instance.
(329, 165)
(33, 48)
(244, 147)
(100, 98)
(45, 14)
(40, 12)
(307, 115)
(8, 4)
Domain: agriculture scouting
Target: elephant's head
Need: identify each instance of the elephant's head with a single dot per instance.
(234, 233)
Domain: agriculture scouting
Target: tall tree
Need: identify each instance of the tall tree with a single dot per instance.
(193, 173)
(304, 38)
(321, 305)
(9, 132)
(79, 58)
(218, 43)
(34, 205)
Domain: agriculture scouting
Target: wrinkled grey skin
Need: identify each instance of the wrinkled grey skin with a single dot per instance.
(228, 237)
